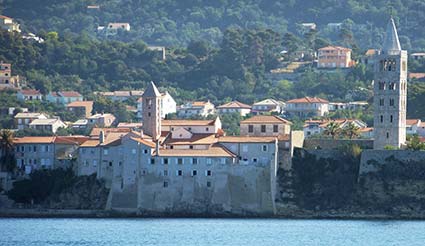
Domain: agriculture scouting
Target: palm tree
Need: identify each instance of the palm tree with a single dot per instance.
(351, 130)
(7, 158)
(333, 129)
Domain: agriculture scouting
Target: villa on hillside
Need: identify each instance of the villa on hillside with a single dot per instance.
(64, 97)
(307, 107)
(317, 127)
(8, 24)
(265, 125)
(268, 106)
(335, 57)
(197, 108)
(234, 107)
(29, 95)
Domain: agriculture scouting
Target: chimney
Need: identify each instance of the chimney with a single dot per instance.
(101, 137)
(157, 147)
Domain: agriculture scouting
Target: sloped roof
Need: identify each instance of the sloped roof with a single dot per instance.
(80, 104)
(246, 139)
(151, 91)
(34, 140)
(70, 94)
(266, 119)
(96, 130)
(28, 115)
(188, 122)
(214, 151)
(145, 142)
(308, 100)
(5, 17)
(268, 101)
(234, 104)
(196, 139)
(391, 42)
(30, 92)
(411, 122)
(45, 122)
(332, 47)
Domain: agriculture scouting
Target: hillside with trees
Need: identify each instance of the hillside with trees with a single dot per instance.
(177, 23)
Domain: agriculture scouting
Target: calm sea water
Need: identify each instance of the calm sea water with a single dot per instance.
(262, 232)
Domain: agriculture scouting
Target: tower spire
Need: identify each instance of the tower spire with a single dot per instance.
(391, 43)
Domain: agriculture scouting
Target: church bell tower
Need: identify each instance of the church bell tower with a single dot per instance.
(151, 107)
(390, 92)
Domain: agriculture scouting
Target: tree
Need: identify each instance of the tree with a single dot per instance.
(415, 144)
(333, 129)
(7, 159)
(351, 130)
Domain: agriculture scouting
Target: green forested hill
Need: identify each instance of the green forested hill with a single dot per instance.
(172, 22)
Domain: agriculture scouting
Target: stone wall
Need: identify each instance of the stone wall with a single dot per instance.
(312, 143)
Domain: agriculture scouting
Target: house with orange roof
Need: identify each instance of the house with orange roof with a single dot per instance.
(29, 95)
(234, 107)
(23, 120)
(64, 97)
(34, 153)
(8, 24)
(47, 125)
(81, 108)
(307, 107)
(101, 120)
(196, 108)
(334, 57)
(413, 126)
(265, 125)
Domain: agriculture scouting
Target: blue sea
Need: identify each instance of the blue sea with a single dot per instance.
(245, 232)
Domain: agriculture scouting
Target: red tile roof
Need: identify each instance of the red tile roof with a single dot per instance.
(246, 139)
(30, 92)
(331, 47)
(80, 104)
(5, 17)
(70, 94)
(188, 122)
(412, 121)
(308, 100)
(416, 75)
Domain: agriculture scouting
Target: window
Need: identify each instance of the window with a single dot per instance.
(110, 163)
(179, 173)
(165, 172)
(165, 184)
(105, 151)
(223, 160)
(254, 160)
(94, 163)
(381, 102)
(35, 148)
(382, 118)
(388, 135)
(190, 146)
(152, 161)
(209, 161)
(275, 128)
(208, 183)
(263, 128)
(207, 129)
(179, 161)
(145, 151)
(165, 161)
(194, 172)
(208, 173)
(194, 161)
(391, 118)
(391, 102)
(264, 148)
(149, 114)
(250, 128)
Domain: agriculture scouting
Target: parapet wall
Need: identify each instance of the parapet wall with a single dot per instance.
(336, 143)
(373, 160)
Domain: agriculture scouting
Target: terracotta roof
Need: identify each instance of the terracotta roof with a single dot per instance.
(30, 92)
(412, 121)
(80, 104)
(71, 139)
(246, 139)
(5, 17)
(416, 75)
(188, 122)
(96, 130)
(308, 100)
(45, 121)
(90, 143)
(214, 151)
(268, 102)
(145, 142)
(196, 139)
(366, 129)
(370, 52)
(70, 94)
(331, 47)
(34, 140)
(266, 119)
(234, 104)
(199, 103)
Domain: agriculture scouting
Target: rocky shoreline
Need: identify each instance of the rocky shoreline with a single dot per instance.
(77, 213)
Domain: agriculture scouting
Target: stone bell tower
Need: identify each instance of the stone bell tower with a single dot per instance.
(152, 111)
(390, 92)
